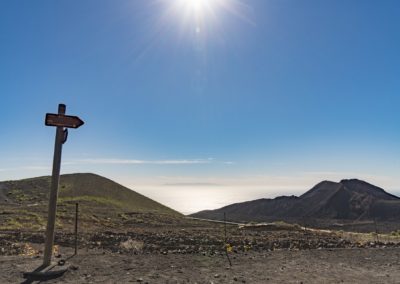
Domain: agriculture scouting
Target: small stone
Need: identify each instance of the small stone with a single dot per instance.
(216, 275)
(139, 279)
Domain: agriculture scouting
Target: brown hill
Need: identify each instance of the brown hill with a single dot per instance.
(346, 200)
(23, 203)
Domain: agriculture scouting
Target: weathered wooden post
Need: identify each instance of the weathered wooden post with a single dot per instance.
(61, 121)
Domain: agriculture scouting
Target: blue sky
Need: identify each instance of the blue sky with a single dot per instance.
(239, 100)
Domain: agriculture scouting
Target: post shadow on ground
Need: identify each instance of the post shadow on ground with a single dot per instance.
(45, 273)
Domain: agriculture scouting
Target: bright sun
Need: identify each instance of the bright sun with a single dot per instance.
(197, 8)
(196, 5)
(204, 17)
(199, 13)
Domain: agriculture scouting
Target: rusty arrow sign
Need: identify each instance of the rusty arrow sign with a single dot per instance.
(67, 121)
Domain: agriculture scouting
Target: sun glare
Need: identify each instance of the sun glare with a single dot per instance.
(204, 15)
(197, 6)
(197, 10)
(204, 18)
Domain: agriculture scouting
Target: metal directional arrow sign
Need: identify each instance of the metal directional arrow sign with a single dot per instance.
(68, 121)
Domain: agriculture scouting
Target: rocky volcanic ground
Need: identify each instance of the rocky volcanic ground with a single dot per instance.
(203, 240)
(154, 244)
(190, 251)
(281, 266)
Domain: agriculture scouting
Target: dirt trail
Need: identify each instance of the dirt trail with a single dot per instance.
(214, 221)
(310, 266)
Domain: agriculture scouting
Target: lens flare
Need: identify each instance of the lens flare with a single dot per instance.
(202, 14)
(197, 6)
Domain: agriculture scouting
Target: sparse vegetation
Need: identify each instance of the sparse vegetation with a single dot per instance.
(395, 233)
(22, 219)
(99, 201)
(103, 203)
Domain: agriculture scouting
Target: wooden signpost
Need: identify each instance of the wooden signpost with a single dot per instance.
(62, 122)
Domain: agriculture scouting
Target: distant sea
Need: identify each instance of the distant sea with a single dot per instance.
(188, 200)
